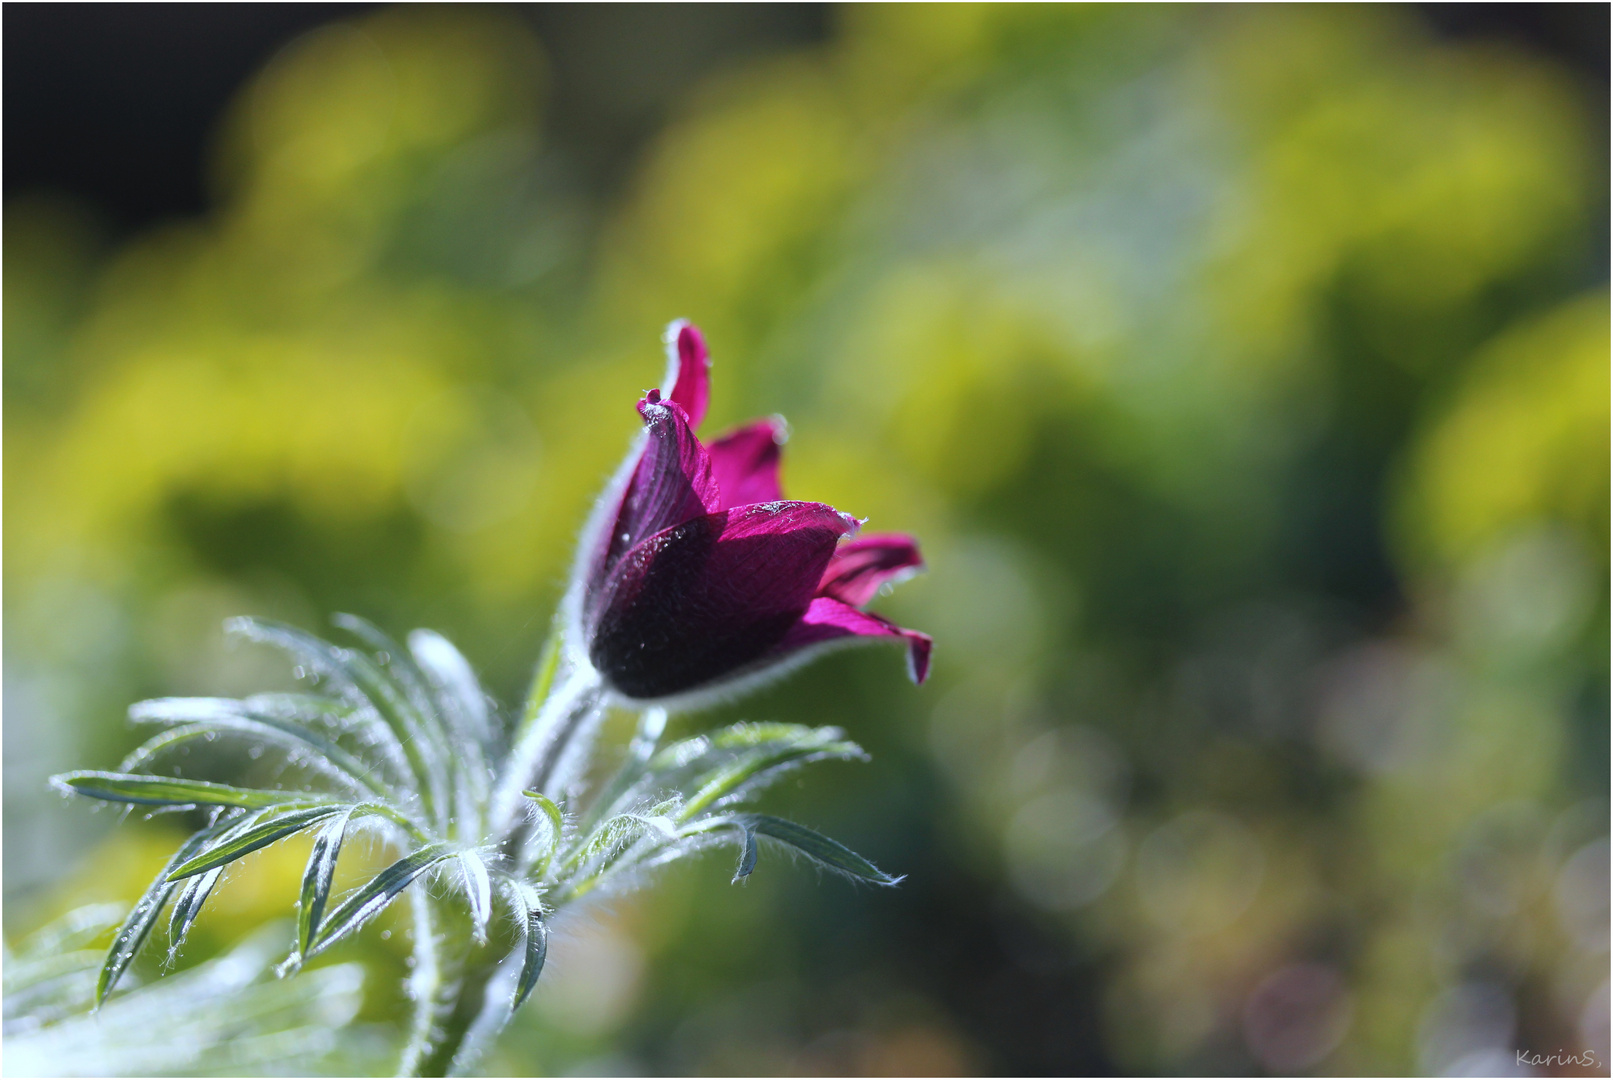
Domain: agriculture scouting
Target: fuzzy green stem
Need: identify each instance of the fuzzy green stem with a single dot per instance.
(453, 986)
(540, 745)
(458, 999)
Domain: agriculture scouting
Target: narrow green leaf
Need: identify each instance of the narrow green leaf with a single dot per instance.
(237, 717)
(168, 791)
(530, 910)
(264, 833)
(367, 902)
(738, 761)
(479, 893)
(830, 854)
(403, 674)
(462, 771)
(455, 683)
(750, 734)
(359, 677)
(747, 855)
(651, 725)
(317, 878)
(557, 822)
(557, 826)
(143, 916)
(146, 754)
(189, 905)
(625, 840)
(542, 681)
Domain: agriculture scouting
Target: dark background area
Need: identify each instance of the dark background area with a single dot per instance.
(116, 104)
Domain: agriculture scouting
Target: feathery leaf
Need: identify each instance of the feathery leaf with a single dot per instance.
(143, 916)
(455, 683)
(269, 829)
(317, 878)
(478, 891)
(167, 791)
(747, 855)
(529, 908)
(369, 901)
(238, 717)
(827, 853)
(359, 678)
(189, 905)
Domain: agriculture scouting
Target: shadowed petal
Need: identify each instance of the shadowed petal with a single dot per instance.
(709, 596)
(671, 484)
(688, 376)
(745, 463)
(861, 566)
(828, 619)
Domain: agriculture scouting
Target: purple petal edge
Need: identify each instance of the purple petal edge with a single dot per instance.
(862, 566)
(828, 619)
(688, 378)
(745, 463)
(671, 484)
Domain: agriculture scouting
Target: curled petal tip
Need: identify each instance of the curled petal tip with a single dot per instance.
(688, 377)
(918, 656)
(829, 619)
(863, 567)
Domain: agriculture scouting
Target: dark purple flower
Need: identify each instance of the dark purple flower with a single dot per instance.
(697, 573)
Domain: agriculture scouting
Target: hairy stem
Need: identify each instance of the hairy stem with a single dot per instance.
(458, 1003)
(458, 995)
(438, 971)
(539, 745)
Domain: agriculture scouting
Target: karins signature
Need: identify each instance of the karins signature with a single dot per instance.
(1585, 1059)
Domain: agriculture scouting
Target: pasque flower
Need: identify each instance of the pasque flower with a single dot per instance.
(695, 577)
(697, 574)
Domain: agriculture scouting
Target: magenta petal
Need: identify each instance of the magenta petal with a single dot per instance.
(710, 596)
(671, 483)
(745, 463)
(861, 566)
(688, 378)
(828, 619)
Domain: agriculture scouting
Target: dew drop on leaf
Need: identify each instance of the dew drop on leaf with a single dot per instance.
(386, 935)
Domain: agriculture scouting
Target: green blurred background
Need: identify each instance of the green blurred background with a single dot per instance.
(1244, 371)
